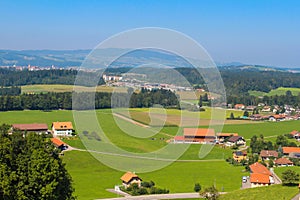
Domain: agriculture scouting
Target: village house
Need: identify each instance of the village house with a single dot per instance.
(295, 134)
(260, 175)
(59, 144)
(266, 109)
(62, 129)
(276, 118)
(235, 140)
(267, 154)
(37, 128)
(239, 106)
(199, 135)
(239, 156)
(178, 139)
(129, 178)
(221, 137)
(283, 162)
(291, 151)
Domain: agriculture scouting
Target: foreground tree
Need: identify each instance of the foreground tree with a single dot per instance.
(290, 177)
(30, 168)
(210, 193)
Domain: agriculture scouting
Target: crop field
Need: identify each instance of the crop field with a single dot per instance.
(278, 91)
(68, 88)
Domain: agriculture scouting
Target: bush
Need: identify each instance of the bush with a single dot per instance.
(197, 187)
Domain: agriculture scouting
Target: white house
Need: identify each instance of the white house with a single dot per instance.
(62, 128)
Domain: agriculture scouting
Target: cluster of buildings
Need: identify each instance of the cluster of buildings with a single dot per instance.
(208, 135)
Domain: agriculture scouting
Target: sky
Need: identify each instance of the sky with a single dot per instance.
(265, 32)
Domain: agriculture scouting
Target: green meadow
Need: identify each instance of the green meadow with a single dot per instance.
(278, 91)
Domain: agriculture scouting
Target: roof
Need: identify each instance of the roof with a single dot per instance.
(283, 161)
(30, 127)
(239, 105)
(199, 132)
(57, 142)
(62, 125)
(234, 138)
(240, 153)
(278, 116)
(269, 153)
(294, 132)
(259, 169)
(259, 178)
(226, 134)
(288, 150)
(128, 176)
(179, 138)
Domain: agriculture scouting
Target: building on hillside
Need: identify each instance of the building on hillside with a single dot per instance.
(291, 151)
(267, 154)
(276, 118)
(129, 178)
(239, 106)
(239, 156)
(222, 137)
(62, 129)
(37, 128)
(260, 175)
(199, 135)
(235, 140)
(283, 162)
(111, 78)
(59, 144)
(295, 134)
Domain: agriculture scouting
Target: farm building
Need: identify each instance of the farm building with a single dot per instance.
(37, 128)
(283, 162)
(59, 144)
(200, 135)
(62, 128)
(221, 137)
(296, 134)
(260, 175)
(239, 106)
(236, 140)
(291, 151)
(129, 178)
(267, 154)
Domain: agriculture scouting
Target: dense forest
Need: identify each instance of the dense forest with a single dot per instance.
(30, 168)
(87, 100)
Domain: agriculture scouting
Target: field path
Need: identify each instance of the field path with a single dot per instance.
(131, 120)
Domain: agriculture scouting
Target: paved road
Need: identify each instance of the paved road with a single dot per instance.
(297, 197)
(160, 196)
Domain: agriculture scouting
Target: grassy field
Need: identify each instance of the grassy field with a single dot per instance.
(279, 170)
(278, 91)
(67, 88)
(277, 192)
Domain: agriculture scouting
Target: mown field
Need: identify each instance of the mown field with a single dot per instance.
(67, 88)
(278, 91)
(92, 178)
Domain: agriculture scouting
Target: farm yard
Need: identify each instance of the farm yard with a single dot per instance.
(92, 178)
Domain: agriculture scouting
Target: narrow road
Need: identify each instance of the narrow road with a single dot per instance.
(297, 197)
(130, 120)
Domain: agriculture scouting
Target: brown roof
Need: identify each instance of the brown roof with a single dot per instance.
(57, 142)
(226, 134)
(294, 132)
(269, 153)
(259, 178)
(287, 150)
(128, 176)
(258, 168)
(62, 125)
(199, 132)
(30, 127)
(234, 138)
(283, 161)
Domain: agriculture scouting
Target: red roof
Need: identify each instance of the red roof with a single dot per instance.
(283, 161)
(30, 127)
(269, 153)
(258, 168)
(179, 138)
(57, 142)
(128, 176)
(294, 132)
(288, 150)
(199, 132)
(259, 178)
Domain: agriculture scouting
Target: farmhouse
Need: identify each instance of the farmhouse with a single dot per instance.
(239, 155)
(221, 137)
(236, 140)
(59, 144)
(260, 175)
(295, 134)
(62, 128)
(275, 118)
(37, 128)
(200, 135)
(239, 106)
(290, 151)
(283, 162)
(178, 139)
(267, 154)
(129, 178)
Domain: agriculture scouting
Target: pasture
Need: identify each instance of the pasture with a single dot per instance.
(278, 91)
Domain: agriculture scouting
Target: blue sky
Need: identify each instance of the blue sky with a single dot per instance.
(254, 31)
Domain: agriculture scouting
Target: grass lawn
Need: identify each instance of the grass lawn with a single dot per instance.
(279, 170)
(278, 91)
(277, 192)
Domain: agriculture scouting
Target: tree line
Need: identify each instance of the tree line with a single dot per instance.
(88, 100)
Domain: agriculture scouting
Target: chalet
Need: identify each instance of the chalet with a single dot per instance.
(239, 156)
(295, 134)
(283, 162)
(129, 178)
(199, 135)
(221, 137)
(260, 175)
(37, 128)
(59, 144)
(235, 140)
(267, 154)
(290, 151)
(239, 106)
(62, 129)
(275, 118)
